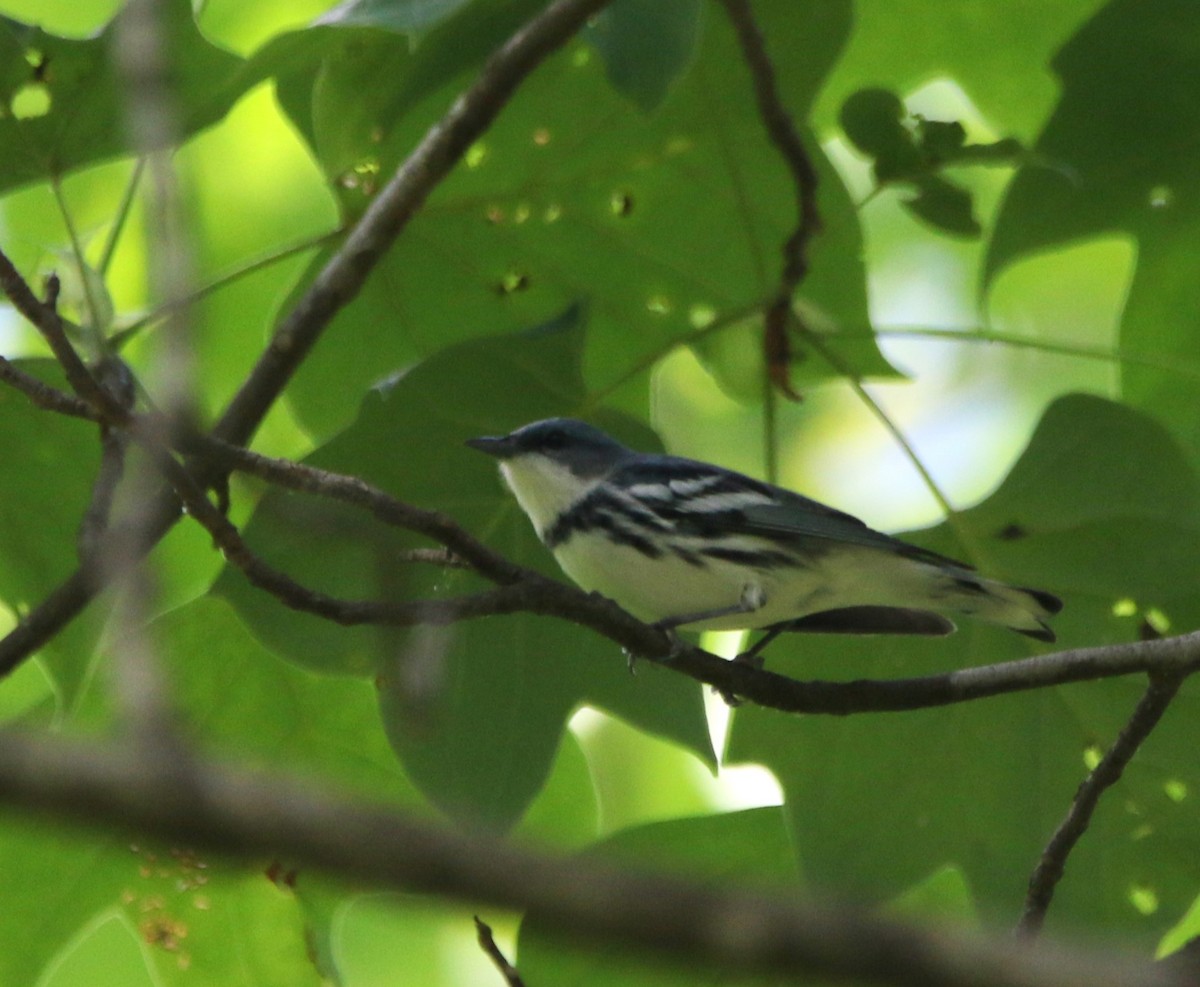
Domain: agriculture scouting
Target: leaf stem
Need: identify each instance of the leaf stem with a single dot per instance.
(980, 335)
(92, 329)
(222, 281)
(123, 210)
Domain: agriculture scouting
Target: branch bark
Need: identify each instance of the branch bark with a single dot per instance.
(253, 815)
(786, 138)
(1049, 870)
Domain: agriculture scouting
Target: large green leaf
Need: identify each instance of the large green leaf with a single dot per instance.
(750, 848)
(57, 880)
(1101, 507)
(64, 98)
(475, 712)
(238, 698)
(1118, 155)
(186, 910)
(50, 464)
(663, 222)
(190, 911)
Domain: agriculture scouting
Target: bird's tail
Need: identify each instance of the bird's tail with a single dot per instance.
(1018, 608)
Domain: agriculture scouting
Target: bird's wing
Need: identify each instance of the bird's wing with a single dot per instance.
(704, 499)
(806, 518)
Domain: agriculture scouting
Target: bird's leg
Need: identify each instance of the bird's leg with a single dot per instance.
(677, 646)
(752, 656)
(752, 598)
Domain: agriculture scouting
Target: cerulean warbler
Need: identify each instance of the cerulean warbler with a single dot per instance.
(678, 542)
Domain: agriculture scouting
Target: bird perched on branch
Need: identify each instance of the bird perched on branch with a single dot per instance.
(681, 543)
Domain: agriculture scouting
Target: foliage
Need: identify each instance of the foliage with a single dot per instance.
(605, 251)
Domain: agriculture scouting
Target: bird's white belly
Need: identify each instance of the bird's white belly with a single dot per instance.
(668, 586)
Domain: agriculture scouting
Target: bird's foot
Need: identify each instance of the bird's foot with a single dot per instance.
(752, 658)
(678, 646)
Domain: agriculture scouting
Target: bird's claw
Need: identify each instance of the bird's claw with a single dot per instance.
(631, 658)
(678, 646)
(731, 700)
(751, 659)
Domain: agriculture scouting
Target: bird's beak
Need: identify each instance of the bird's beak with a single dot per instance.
(500, 446)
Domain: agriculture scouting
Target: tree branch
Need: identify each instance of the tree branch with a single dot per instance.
(1049, 870)
(46, 320)
(784, 135)
(250, 815)
(487, 943)
(44, 395)
(226, 457)
(523, 590)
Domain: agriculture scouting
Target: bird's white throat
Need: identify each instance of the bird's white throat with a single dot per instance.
(543, 488)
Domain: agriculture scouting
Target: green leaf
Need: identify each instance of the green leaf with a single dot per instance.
(240, 699)
(912, 151)
(372, 63)
(749, 848)
(873, 119)
(44, 488)
(646, 45)
(944, 205)
(72, 94)
(1101, 506)
(58, 880)
(50, 465)
(188, 911)
(475, 712)
(553, 205)
(1112, 158)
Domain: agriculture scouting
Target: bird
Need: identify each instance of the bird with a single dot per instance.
(680, 543)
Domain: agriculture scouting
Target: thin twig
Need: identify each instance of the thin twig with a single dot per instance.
(507, 599)
(46, 320)
(93, 524)
(115, 378)
(225, 457)
(487, 942)
(118, 224)
(1106, 354)
(786, 138)
(44, 395)
(972, 545)
(94, 331)
(245, 269)
(251, 815)
(1049, 870)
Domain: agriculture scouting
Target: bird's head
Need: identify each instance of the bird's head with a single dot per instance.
(550, 464)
